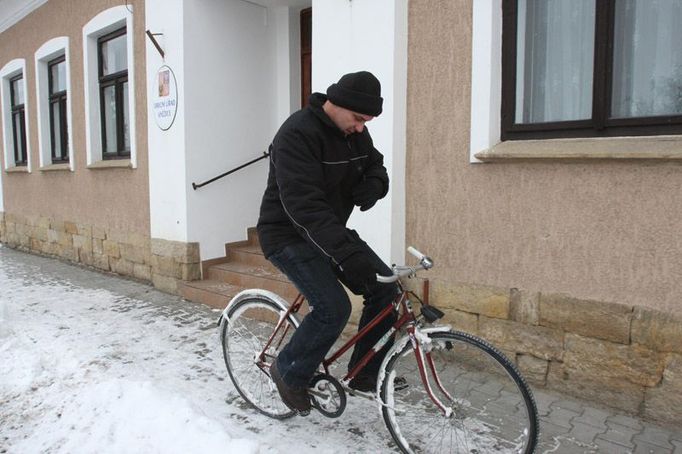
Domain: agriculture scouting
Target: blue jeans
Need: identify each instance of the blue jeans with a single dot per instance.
(315, 277)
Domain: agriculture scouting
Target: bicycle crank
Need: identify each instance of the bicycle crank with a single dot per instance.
(327, 395)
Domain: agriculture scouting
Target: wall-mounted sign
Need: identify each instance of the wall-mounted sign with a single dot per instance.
(165, 104)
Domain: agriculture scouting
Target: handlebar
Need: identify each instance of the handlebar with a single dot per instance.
(425, 263)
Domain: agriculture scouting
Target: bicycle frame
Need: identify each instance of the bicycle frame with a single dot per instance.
(407, 317)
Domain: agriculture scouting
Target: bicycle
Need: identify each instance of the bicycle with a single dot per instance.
(457, 393)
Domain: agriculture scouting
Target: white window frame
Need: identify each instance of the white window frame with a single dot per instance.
(46, 53)
(486, 77)
(10, 70)
(106, 22)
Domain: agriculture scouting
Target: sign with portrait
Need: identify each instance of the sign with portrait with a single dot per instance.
(165, 104)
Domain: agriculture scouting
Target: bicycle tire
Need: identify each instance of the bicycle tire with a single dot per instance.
(245, 331)
(493, 409)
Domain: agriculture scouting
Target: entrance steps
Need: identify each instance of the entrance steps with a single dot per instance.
(243, 266)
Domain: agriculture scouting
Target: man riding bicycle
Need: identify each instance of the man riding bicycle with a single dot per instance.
(322, 164)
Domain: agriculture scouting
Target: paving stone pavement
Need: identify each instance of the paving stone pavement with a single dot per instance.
(567, 425)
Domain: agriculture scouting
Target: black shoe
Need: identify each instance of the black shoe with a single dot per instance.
(368, 383)
(296, 399)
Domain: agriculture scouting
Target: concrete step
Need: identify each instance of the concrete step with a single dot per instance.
(211, 292)
(253, 276)
(250, 255)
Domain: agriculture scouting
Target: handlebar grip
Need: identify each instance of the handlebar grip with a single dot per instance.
(415, 253)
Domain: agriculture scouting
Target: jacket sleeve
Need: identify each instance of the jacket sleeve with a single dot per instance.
(375, 167)
(300, 181)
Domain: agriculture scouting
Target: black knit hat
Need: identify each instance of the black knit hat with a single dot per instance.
(359, 92)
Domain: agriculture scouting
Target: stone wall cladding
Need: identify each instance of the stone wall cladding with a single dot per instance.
(622, 356)
(160, 262)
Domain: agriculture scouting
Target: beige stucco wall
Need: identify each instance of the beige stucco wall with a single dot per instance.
(112, 198)
(603, 230)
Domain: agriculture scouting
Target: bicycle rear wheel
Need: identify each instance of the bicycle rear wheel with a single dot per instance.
(244, 334)
(492, 407)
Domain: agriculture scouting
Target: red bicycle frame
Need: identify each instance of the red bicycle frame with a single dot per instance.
(406, 318)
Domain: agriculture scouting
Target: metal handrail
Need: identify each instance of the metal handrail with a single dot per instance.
(197, 186)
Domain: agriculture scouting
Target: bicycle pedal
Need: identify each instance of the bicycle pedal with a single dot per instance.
(431, 314)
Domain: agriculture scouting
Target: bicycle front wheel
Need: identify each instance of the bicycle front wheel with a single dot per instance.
(250, 325)
(492, 408)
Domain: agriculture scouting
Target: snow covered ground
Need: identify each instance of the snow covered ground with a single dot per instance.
(91, 363)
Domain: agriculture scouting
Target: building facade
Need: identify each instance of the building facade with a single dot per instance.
(541, 171)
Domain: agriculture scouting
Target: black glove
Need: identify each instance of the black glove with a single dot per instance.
(367, 192)
(357, 272)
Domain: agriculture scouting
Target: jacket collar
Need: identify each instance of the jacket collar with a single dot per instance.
(316, 102)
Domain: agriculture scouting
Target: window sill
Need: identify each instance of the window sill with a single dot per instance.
(55, 167)
(112, 164)
(660, 148)
(17, 169)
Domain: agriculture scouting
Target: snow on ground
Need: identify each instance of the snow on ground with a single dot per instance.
(91, 363)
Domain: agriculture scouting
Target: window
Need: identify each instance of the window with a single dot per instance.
(588, 68)
(113, 89)
(18, 119)
(59, 139)
(109, 78)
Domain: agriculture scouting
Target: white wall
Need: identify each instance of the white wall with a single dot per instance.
(371, 35)
(228, 104)
(167, 176)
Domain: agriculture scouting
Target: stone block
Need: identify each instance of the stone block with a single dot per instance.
(52, 236)
(71, 227)
(462, 321)
(43, 222)
(65, 239)
(84, 230)
(181, 252)
(99, 233)
(36, 245)
(10, 227)
(190, 271)
(68, 253)
(597, 319)
(143, 272)
(657, 330)
(40, 233)
(85, 257)
(101, 261)
(609, 363)
(97, 246)
(165, 283)
(111, 248)
(25, 241)
(57, 224)
(121, 266)
(532, 368)
(620, 394)
(488, 301)
(166, 266)
(524, 306)
(82, 242)
(664, 402)
(135, 253)
(545, 343)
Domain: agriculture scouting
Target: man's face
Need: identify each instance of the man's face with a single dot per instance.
(348, 121)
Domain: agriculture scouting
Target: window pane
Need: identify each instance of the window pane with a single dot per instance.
(110, 145)
(114, 55)
(126, 125)
(647, 61)
(56, 131)
(58, 73)
(554, 60)
(18, 138)
(18, 91)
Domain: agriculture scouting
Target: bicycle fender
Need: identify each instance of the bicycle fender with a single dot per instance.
(398, 346)
(254, 293)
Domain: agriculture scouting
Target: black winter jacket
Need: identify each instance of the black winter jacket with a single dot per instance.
(314, 167)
